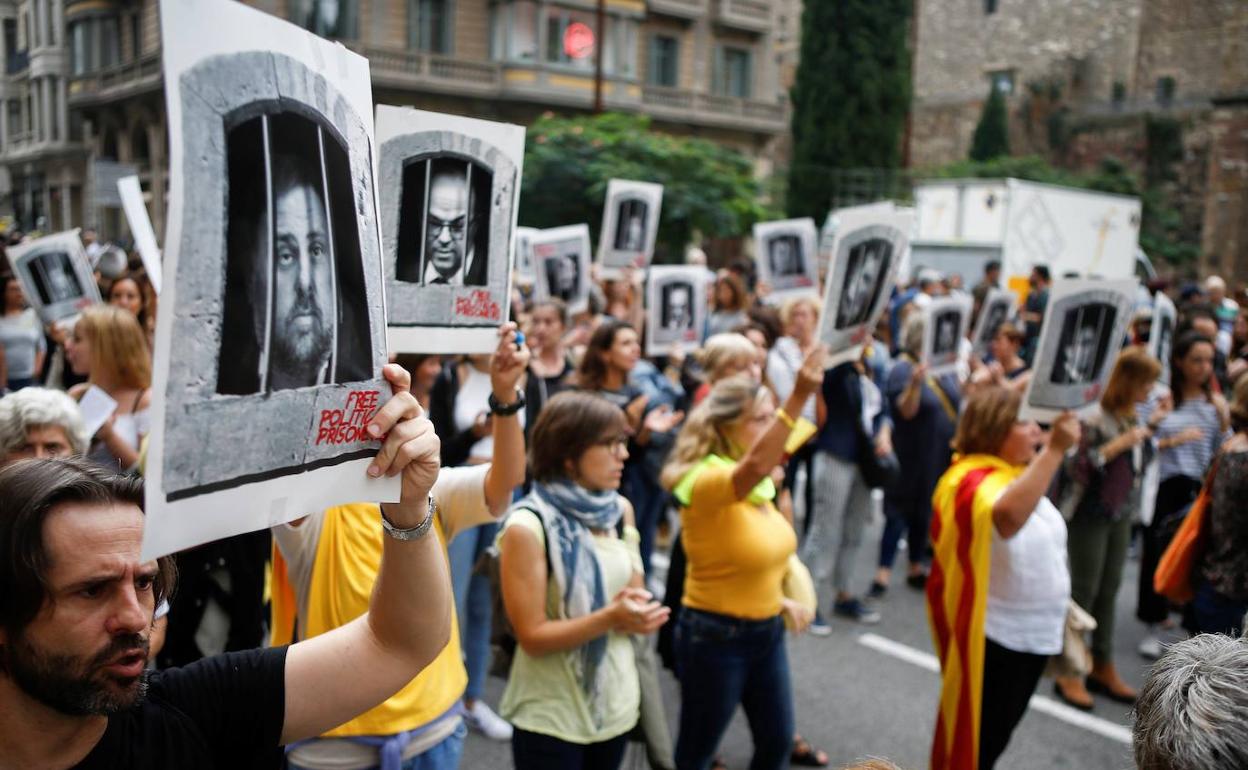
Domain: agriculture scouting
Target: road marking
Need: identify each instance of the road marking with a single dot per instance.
(1042, 703)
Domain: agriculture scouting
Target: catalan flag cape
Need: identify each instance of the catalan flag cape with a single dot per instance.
(957, 599)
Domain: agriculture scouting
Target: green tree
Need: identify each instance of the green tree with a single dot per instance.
(992, 135)
(707, 188)
(850, 96)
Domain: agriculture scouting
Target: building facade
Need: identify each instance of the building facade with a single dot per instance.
(84, 100)
(1089, 79)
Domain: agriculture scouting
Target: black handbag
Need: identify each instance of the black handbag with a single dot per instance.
(879, 472)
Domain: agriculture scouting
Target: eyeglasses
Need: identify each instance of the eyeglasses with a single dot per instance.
(455, 227)
(614, 444)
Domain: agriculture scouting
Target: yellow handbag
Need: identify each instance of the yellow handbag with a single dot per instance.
(799, 587)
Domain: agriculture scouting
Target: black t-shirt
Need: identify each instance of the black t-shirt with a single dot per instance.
(220, 712)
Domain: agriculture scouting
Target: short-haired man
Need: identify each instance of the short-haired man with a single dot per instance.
(1192, 712)
(329, 563)
(76, 614)
(990, 281)
(37, 423)
(1225, 311)
(1033, 310)
(448, 225)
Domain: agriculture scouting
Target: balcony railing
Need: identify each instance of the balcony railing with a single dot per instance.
(683, 105)
(116, 82)
(686, 9)
(749, 15)
(401, 68)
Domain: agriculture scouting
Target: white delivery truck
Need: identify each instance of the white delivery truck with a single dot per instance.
(963, 224)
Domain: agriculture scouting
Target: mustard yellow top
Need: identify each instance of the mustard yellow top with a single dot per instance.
(737, 551)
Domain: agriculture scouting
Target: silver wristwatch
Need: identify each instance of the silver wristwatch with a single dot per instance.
(411, 533)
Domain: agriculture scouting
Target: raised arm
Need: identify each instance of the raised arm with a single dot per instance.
(768, 449)
(343, 673)
(506, 471)
(1020, 498)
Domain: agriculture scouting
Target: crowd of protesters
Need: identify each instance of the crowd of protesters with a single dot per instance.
(547, 486)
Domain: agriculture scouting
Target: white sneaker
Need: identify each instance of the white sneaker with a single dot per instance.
(483, 719)
(1150, 647)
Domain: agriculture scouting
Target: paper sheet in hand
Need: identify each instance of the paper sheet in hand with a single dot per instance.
(271, 332)
(868, 247)
(784, 255)
(449, 189)
(675, 307)
(945, 328)
(96, 407)
(1085, 325)
(630, 224)
(141, 228)
(55, 275)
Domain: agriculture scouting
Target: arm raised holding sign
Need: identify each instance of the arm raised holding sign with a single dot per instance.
(337, 675)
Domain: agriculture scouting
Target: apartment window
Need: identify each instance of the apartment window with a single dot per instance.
(94, 43)
(1166, 87)
(1003, 81)
(429, 26)
(570, 38)
(54, 109)
(990, 7)
(327, 18)
(51, 31)
(732, 74)
(13, 120)
(619, 57)
(664, 66)
(136, 36)
(515, 36)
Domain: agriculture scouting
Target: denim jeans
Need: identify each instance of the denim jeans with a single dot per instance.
(535, 751)
(472, 603)
(1216, 614)
(911, 517)
(722, 661)
(444, 755)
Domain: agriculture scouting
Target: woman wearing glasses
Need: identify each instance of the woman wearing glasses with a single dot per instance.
(572, 585)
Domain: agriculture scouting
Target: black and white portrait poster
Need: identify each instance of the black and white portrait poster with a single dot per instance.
(1161, 332)
(55, 275)
(1084, 327)
(675, 307)
(947, 321)
(1000, 305)
(561, 262)
(784, 253)
(630, 223)
(271, 335)
(522, 261)
(866, 250)
(449, 188)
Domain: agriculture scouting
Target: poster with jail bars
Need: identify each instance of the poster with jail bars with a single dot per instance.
(55, 275)
(630, 225)
(449, 190)
(1085, 327)
(271, 335)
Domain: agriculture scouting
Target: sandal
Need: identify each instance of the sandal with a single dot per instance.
(806, 755)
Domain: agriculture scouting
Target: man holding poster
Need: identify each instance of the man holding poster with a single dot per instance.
(76, 620)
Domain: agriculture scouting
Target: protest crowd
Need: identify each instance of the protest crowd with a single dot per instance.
(586, 513)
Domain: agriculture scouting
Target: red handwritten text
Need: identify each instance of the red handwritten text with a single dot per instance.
(347, 425)
(478, 305)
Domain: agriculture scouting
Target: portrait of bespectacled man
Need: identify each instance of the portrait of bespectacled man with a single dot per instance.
(864, 278)
(1084, 343)
(295, 310)
(444, 222)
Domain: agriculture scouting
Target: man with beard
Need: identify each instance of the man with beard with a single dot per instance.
(76, 610)
(303, 287)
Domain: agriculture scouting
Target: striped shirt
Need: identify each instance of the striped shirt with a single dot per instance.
(1191, 459)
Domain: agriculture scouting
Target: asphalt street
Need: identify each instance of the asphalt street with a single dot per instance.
(872, 691)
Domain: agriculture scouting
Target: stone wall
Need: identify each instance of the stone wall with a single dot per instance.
(1225, 232)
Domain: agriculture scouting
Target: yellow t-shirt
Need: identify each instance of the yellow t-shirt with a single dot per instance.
(543, 695)
(736, 551)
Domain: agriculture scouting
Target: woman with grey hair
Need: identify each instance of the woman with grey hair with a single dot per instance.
(1192, 713)
(925, 412)
(38, 422)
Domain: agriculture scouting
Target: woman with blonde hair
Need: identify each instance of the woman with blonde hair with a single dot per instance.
(726, 355)
(109, 347)
(1106, 473)
(730, 635)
